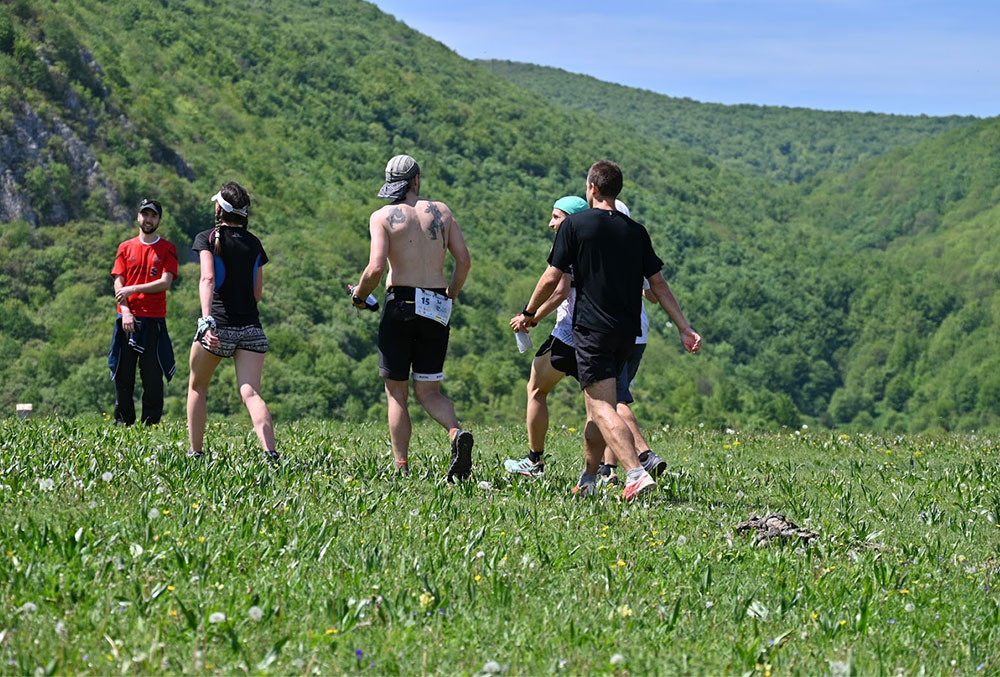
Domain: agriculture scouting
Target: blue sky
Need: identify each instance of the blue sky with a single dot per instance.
(888, 56)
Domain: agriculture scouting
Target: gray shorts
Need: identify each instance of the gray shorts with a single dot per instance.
(231, 339)
(628, 374)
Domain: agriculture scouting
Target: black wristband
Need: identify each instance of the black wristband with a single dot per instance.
(526, 313)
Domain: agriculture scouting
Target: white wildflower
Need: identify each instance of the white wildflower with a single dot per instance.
(909, 607)
(107, 476)
(217, 617)
(153, 513)
(29, 608)
(47, 484)
(491, 668)
(255, 613)
(617, 659)
(682, 539)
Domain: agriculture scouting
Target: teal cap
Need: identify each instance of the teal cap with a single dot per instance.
(571, 204)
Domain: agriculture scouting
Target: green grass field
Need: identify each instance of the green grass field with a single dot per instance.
(121, 555)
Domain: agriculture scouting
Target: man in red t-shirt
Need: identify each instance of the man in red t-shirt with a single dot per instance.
(143, 270)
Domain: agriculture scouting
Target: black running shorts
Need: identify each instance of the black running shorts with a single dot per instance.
(406, 340)
(600, 356)
(562, 356)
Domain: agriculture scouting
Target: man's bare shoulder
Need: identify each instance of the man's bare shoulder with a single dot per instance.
(435, 207)
(391, 215)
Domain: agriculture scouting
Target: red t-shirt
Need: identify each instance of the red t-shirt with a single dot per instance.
(141, 263)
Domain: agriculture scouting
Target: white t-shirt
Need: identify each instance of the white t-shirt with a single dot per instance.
(643, 319)
(564, 316)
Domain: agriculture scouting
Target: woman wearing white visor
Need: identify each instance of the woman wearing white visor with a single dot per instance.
(230, 288)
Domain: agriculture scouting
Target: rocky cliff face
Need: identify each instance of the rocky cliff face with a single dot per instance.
(53, 126)
(48, 175)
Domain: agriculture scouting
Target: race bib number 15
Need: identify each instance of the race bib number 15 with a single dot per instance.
(432, 305)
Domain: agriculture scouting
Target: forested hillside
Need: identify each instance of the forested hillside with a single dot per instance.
(787, 144)
(104, 103)
(925, 322)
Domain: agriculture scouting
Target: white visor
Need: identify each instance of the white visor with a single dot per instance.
(226, 207)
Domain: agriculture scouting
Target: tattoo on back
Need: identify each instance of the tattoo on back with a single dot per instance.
(437, 223)
(396, 218)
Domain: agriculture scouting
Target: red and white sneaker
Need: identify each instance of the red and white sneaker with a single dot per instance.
(636, 488)
(584, 490)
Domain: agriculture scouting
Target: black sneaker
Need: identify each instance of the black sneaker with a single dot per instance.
(272, 457)
(461, 456)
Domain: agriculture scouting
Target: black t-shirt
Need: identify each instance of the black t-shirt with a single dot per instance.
(610, 255)
(233, 304)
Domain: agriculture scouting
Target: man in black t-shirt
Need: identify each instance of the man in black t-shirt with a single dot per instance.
(611, 255)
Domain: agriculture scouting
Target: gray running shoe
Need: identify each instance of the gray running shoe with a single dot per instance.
(461, 456)
(654, 465)
(195, 454)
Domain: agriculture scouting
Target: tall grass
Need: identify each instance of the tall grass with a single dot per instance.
(118, 554)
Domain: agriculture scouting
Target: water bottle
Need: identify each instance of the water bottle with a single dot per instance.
(523, 341)
(371, 303)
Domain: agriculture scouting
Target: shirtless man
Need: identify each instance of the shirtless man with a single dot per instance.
(414, 234)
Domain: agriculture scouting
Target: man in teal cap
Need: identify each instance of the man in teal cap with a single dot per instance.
(556, 359)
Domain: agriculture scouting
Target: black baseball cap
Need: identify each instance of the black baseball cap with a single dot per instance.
(151, 204)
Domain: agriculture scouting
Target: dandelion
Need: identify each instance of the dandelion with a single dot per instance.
(107, 477)
(617, 659)
(171, 588)
(477, 578)
(153, 513)
(843, 622)
(491, 668)
(217, 617)
(572, 430)
(625, 611)
(255, 613)
(909, 607)
(480, 554)
(29, 608)
(332, 631)
(427, 601)
(682, 539)
(47, 484)
(485, 486)
(621, 562)
(61, 629)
